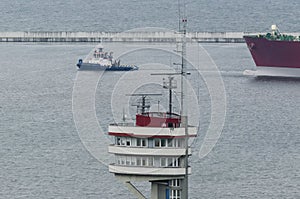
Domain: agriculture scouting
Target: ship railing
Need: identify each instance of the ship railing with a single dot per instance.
(147, 166)
(147, 147)
(123, 124)
(162, 115)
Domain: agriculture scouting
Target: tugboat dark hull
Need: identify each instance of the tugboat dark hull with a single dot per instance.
(89, 66)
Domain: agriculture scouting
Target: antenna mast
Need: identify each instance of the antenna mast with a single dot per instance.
(184, 108)
(170, 84)
(143, 106)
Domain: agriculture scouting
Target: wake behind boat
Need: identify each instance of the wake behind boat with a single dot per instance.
(274, 54)
(98, 59)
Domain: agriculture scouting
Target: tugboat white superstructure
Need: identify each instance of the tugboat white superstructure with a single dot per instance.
(98, 59)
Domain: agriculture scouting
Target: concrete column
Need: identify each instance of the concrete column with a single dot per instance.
(158, 190)
(154, 191)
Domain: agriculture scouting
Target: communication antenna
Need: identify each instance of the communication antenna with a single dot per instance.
(143, 105)
(169, 84)
(184, 108)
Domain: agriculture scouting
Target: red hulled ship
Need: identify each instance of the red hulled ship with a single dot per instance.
(274, 54)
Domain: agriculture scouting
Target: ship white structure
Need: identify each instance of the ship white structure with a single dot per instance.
(155, 148)
(152, 149)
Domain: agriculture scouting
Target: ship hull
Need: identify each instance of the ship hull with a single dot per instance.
(272, 53)
(90, 66)
(273, 57)
(274, 72)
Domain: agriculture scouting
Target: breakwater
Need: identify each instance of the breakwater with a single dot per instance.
(206, 37)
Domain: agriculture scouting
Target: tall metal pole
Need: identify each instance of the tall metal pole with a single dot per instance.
(184, 107)
(170, 96)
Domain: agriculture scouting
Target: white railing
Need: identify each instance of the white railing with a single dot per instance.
(162, 151)
(148, 171)
(151, 131)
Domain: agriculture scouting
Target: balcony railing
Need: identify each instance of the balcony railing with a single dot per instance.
(152, 171)
(158, 151)
(150, 132)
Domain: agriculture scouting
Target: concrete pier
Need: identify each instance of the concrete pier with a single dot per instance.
(205, 37)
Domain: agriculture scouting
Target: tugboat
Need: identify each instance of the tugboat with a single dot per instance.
(154, 148)
(274, 54)
(98, 59)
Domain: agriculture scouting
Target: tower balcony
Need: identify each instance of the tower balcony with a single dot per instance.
(154, 132)
(148, 171)
(123, 150)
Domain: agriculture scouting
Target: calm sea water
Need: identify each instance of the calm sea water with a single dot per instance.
(42, 155)
(257, 155)
(115, 15)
